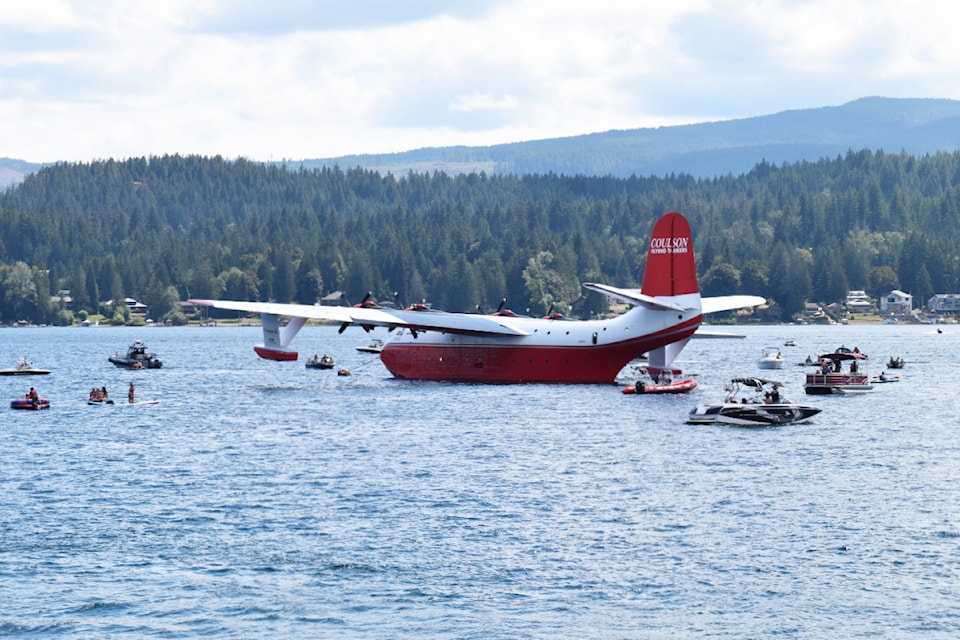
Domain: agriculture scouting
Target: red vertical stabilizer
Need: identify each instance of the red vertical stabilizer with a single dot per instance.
(670, 269)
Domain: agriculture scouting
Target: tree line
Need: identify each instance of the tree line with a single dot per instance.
(164, 229)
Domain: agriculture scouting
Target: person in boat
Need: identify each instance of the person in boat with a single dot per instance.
(853, 366)
(883, 375)
(775, 395)
(94, 394)
(130, 393)
(33, 397)
(103, 393)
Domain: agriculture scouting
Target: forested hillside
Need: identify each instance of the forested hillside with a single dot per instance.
(168, 228)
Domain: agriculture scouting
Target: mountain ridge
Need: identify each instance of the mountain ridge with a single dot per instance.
(917, 126)
(709, 149)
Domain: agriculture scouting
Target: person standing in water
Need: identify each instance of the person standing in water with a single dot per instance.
(130, 393)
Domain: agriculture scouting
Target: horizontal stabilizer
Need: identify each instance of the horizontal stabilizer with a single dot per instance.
(729, 303)
(633, 296)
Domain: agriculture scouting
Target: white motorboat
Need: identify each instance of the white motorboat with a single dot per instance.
(770, 358)
(23, 368)
(374, 346)
(752, 402)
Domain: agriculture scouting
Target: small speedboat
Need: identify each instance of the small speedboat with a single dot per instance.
(322, 362)
(137, 358)
(752, 402)
(374, 346)
(770, 358)
(23, 367)
(27, 403)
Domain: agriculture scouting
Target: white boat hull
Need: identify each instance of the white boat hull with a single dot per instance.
(752, 415)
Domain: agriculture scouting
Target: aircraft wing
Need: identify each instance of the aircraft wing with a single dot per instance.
(419, 320)
(728, 303)
(631, 295)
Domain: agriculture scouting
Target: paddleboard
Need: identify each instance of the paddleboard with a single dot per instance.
(138, 403)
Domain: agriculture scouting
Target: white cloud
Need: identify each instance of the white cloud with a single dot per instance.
(305, 79)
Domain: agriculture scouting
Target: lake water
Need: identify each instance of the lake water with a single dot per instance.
(266, 500)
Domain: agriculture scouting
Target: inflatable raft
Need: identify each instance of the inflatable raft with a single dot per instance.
(677, 386)
(25, 403)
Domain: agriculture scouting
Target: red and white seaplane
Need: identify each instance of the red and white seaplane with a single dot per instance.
(502, 348)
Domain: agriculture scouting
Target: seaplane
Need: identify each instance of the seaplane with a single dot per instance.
(505, 348)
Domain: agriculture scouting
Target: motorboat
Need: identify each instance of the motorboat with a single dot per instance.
(321, 362)
(752, 402)
(840, 372)
(770, 358)
(23, 367)
(652, 380)
(374, 346)
(137, 358)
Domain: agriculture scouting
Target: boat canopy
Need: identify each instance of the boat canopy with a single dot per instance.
(843, 356)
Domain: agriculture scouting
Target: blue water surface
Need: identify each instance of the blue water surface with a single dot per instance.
(267, 500)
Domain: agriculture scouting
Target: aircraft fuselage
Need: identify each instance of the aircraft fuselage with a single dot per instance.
(556, 351)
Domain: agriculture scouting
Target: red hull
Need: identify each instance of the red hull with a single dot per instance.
(500, 362)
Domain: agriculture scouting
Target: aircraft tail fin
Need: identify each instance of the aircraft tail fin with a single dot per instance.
(671, 269)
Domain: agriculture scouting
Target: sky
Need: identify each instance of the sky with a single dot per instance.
(84, 80)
